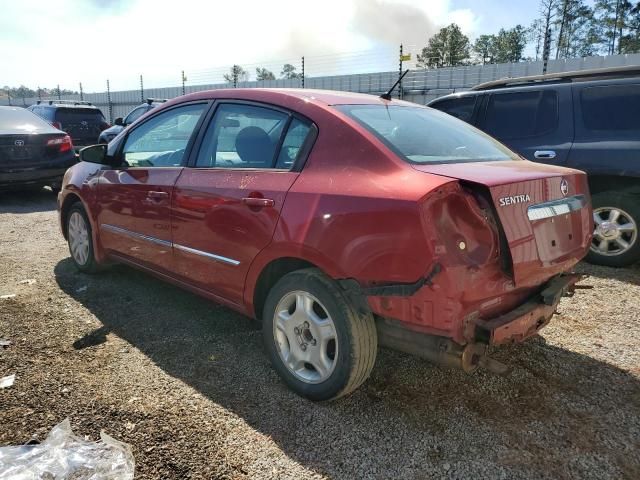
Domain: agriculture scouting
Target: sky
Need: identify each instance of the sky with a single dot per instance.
(45, 43)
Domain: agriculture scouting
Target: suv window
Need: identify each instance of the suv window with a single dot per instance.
(161, 141)
(78, 115)
(135, 114)
(612, 107)
(522, 114)
(460, 107)
(242, 136)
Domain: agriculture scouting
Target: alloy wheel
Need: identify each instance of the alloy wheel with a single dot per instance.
(306, 337)
(78, 238)
(615, 231)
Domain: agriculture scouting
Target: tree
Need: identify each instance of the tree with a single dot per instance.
(236, 74)
(536, 35)
(547, 16)
(630, 42)
(483, 47)
(612, 17)
(289, 72)
(509, 44)
(447, 48)
(576, 35)
(264, 74)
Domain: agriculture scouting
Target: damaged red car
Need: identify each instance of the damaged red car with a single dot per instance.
(341, 221)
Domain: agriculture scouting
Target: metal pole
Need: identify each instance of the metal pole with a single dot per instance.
(39, 94)
(400, 75)
(235, 76)
(545, 50)
(109, 103)
(303, 72)
(81, 93)
(59, 92)
(142, 88)
(9, 96)
(183, 90)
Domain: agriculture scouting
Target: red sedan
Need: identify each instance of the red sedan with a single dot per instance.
(340, 221)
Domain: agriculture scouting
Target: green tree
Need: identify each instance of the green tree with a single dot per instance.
(264, 74)
(236, 74)
(510, 44)
(612, 18)
(630, 41)
(289, 72)
(576, 32)
(447, 48)
(483, 48)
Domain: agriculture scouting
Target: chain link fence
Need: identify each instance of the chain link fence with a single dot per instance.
(372, 72)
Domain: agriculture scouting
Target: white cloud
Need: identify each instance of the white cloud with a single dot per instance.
(45, 43)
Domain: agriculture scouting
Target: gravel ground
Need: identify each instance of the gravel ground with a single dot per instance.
(186, 384)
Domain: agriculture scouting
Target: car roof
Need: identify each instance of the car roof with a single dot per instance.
(278, 95)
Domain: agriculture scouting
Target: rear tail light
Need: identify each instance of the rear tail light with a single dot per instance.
(57, 125)
(62, 143)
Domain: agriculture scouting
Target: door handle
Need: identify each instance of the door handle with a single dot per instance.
(258, 202)
(544, 154)
(157, 195)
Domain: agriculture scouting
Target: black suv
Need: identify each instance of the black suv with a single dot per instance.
(589, 120)
(81, 120)
(119, 124)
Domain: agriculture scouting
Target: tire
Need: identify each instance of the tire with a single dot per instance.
(620, 235)
(82, 255)
(342, 366)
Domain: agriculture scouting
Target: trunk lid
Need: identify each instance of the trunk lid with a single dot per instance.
(24, 150)
(543, 211)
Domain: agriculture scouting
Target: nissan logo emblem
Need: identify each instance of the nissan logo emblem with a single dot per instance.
(564, 187)
(19, 143)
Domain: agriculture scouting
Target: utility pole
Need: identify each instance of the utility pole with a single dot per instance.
(142, 88)
(303, 71)
(81, 93)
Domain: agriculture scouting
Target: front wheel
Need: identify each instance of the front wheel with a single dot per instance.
(316, 340)
(80, 240)
(615, 238)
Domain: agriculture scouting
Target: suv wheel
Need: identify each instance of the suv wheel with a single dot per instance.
(316, 340)
(80, 240)
(615, 238)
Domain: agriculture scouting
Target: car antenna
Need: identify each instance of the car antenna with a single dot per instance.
(387, 94)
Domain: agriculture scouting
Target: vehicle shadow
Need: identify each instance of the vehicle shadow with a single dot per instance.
(629, 274)
(559, 415)
(27, 201)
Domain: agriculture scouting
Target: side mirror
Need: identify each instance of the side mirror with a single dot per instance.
(95, 154)
(119, 121)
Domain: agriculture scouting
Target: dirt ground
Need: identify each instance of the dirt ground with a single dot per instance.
(186, 384)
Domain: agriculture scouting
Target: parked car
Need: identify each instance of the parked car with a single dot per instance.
(81, 120)
(340, 221)
(119, 124)
(32, 152)
(586, 120)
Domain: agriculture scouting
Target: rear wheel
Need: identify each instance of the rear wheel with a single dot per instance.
(615, 238)
(316, 340)
(80, 240)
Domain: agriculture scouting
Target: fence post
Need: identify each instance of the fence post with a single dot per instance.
(400, 93)
(39, 94)
(303, 71)
(109, 103)
(545, 50)
(142, 88)
(59, 92)
(183, 80)
(9, 96)
(235, 76)
(81, 93)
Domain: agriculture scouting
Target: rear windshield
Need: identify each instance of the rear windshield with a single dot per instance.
(77, 115)
(18, 118)
(423, 135)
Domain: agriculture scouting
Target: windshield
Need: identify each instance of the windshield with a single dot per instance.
(21, 120)
(423, 135)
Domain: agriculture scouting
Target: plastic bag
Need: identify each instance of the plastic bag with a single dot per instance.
(64, 456)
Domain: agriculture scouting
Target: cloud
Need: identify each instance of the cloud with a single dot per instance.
(68, 41)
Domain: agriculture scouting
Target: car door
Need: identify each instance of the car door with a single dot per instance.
(226, 204)
(135, 199)
(537, 123)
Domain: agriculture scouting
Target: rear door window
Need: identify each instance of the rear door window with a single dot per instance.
(522, 114)
(135, 114)
(79, 115)
(461, 107)
(611, 107)
(243, 136)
